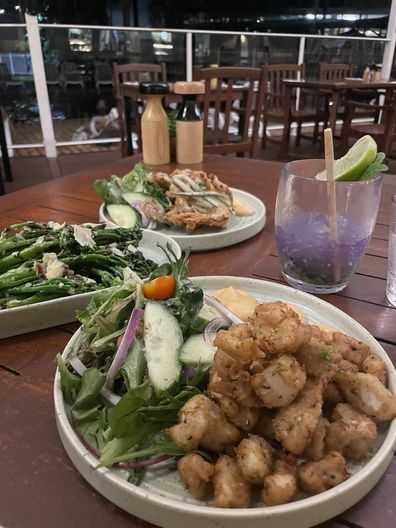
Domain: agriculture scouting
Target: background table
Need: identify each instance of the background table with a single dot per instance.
(39, 486)
(334, 90)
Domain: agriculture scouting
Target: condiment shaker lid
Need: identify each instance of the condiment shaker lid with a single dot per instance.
(189, 87)
(154, 88)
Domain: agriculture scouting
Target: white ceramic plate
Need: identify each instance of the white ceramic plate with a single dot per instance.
(163, 500)
(240, 227)
(15, 321)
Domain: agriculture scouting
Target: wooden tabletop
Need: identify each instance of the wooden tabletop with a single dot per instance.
(346, 84)
(39, 486)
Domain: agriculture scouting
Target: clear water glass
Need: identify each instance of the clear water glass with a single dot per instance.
(311, 259)
(391, 282)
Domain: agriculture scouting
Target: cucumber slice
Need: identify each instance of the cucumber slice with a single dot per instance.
(123, 215)
(205, 315)
(131, 197)
(197, 351)
(162, 340)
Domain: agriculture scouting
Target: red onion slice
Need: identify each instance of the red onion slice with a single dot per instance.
(122, 351)
(222, 309)
(137, 204)
(212, 328)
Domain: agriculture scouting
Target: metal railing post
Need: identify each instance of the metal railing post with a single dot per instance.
(40, 84)
(189, 56)
(389, 49)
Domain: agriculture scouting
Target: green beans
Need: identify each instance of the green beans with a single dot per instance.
(85, 260)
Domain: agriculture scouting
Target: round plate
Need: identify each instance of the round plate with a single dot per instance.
(164, 501)
(240, 227)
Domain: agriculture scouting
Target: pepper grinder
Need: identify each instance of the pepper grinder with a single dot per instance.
(189, 123)
(154, 124)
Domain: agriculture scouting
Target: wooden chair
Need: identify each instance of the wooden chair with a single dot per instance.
(334, 72)
(232, 108)
(133, 72)
(276, 108)
(383, 131)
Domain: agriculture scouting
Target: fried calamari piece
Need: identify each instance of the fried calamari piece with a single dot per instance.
(254, 457)
(202, 423)
(317, 447)
(281, 486)
(295, 425)
(318, 357)
(239, 344)
(239, 389)
(280, 382)
(231, 490)
(368, 394)
(351, 432)
(196, 474)
(264, 426)
(316, 477)
(278, 328)
(350, 349)
(375, 366)
(244, 418)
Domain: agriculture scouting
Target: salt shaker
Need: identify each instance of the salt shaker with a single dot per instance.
(189, 123)
(154, 124)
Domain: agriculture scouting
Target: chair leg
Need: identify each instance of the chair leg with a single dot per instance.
(285, 138)
(315, 133)
(264, 138)
(298, 134)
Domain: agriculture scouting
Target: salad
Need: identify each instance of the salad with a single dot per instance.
(186, 199)
(126, 383)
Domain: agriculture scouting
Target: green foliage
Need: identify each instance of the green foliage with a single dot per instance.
(375, 167)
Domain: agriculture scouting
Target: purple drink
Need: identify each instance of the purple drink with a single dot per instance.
(307, 253)
(311, 259)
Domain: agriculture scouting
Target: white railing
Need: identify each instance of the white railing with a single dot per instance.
(36, 54)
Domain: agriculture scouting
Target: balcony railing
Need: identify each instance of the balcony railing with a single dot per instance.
(55, 113)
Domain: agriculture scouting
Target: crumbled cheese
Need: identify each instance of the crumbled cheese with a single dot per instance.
(56, 226)
(130, 274)
(131, 248)
(83, 235)
(115, 250)
(39, 241)
(53, 268)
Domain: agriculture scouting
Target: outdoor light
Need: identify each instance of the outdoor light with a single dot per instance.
(18, 7)
(2, 11)
(310, 16)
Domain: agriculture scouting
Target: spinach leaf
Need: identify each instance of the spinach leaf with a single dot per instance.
(88, 403)
(70, 383)
(125, 418)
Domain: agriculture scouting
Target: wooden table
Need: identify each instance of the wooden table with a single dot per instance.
(334, 89)
(39, 486)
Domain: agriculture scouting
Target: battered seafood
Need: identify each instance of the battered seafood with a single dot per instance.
(192, 205)
(268, 384)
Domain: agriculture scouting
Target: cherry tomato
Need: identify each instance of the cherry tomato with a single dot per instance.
(160, 288)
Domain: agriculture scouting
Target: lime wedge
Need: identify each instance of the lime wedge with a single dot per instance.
(351, 166)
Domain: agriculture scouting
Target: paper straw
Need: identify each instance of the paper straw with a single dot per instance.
(331, 197)
(331, 192)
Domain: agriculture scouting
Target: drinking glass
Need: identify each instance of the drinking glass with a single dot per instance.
(312, 259)
(391, 282)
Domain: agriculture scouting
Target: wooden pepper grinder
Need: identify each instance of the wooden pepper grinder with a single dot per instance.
(154, 124)
(189, 123)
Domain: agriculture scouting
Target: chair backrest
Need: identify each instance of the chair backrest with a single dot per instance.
(103, 72)
(334, 72)
(137, 72)
(233, 98)
(51, 71)
(274, 87)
